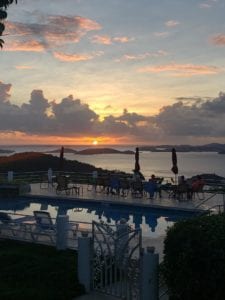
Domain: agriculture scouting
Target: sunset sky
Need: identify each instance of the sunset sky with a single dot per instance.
(113, 72)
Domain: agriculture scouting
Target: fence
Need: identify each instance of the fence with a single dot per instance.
(125, 269)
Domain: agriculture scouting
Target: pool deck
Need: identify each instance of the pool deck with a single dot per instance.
(48, 195)
(165, 202)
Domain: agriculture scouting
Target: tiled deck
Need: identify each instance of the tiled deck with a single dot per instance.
(165, 202)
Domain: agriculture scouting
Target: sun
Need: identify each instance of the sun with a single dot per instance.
(95, 142)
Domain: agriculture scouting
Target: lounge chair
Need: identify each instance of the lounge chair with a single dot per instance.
(46, 227)
(12, 227)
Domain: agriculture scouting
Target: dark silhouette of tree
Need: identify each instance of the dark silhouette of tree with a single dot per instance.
(3, 15)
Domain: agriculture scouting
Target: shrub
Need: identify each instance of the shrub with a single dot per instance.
(194, 261)
(37, 272)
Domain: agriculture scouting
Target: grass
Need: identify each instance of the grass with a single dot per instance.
(37, 272)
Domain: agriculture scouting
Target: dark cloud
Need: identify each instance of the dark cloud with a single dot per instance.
(4, 92)
(39, 116)
(70, 117)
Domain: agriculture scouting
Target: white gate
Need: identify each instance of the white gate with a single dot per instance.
(116, 261)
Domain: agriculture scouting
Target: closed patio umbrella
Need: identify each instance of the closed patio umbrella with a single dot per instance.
(61, 159)
(174, 163)
(137, 165)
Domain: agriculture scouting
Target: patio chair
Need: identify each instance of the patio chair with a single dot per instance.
(63, 186)
(124, 187)
(150, 188)
(114, 185)
(137, 189)
(46, 227)
(198, 193)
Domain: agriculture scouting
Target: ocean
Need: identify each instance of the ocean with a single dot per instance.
(158, 163)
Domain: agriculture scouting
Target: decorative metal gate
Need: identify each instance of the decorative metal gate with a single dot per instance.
(116, 261)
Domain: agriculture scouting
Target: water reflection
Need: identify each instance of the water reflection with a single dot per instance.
(149, 219)
(13, 204)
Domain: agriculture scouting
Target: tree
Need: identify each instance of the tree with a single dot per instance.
(194, 260)
(3, 15)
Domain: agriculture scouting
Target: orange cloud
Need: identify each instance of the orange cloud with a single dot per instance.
(102, 39)
(24, 67)
(142, 56)
(123, 39)
(161, 34)
(72, 57)
(172, 23)
(88, 24)
(33, 46)
(54, 30)
(219, 40)
(181, 69)
(76, 57)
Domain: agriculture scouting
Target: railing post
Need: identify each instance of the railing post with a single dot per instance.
(149, 274)
(50, 174)
(62, 222)
(84, 261)
(122, 230)
(10, 176)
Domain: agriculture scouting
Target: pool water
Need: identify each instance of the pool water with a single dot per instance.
(153, 222)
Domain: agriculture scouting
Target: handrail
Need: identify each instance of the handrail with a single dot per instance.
(215, 206)
(37, 176)
(205, 200)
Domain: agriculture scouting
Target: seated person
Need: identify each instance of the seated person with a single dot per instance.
(151, 186)
(197, 185)
(183, 188)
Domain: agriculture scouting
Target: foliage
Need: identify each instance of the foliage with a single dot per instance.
(36, 161)
(194, 261)
(3, 15)
(31, 271)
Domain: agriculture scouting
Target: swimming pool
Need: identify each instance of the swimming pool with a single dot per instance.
(152, 221)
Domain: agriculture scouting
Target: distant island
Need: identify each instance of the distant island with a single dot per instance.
(91, 151)
(213, 147)
(66, 150)
(6, 151)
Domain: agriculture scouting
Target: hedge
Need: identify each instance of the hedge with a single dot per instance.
(194, 259)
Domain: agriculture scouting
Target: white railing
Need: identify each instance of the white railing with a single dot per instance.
(24, 228)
